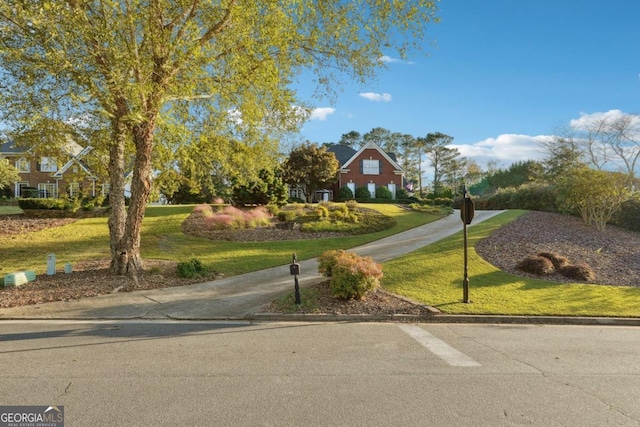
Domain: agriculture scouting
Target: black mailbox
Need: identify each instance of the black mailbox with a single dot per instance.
(294, 269)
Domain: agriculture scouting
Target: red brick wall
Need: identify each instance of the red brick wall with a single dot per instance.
(354, 175)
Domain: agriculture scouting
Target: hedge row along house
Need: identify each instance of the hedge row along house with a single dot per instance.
(367, 167)
(68, 172)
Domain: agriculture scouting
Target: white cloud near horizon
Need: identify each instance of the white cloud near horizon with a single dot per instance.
(506, 149)
(376, 97)
(321, 113)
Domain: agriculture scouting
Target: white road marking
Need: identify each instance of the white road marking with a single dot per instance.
(438, 347)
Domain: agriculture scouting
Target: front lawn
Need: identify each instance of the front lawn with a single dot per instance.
(433, 275)
(162, 238)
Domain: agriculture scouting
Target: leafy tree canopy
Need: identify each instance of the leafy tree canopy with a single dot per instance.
(8, 174)
(128, 66)
(311, 168)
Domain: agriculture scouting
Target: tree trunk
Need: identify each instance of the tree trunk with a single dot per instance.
(117, 217)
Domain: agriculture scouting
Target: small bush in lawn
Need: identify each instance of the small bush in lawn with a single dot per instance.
(579, 271)
(383, 193)
(556, 259)
(192, 268)
(363, 193)
(328, 259)
(344, 193)
(536, 265)
(352, 276)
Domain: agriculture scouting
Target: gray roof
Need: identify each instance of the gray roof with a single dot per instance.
(342, 152)
(8, 147)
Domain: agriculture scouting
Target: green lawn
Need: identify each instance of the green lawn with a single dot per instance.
(10, 210)
(433, 275)
(162, 238)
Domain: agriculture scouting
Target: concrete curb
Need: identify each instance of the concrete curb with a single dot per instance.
(448, 318)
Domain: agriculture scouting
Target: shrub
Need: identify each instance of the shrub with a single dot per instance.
(328, 259)
(49, 204)
(296, 200)
(363, 193)
(345, 193)
(287, 215)
(579, 271)
(352, 276)
(321, 212)
(402, 193)
(383, 193)
(234, 218)
(192, 268)
(536, 265)
(556, 259)
(629, 214)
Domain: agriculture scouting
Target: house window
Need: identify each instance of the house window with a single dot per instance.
(106, 189)
(371, 167)
(74, 189)
(23, 165)
(352, 187)
(372, 189)
(48, 191)
(296, 192)
(48, 164)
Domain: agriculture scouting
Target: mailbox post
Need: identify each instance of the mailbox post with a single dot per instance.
(467, 210)
(294, 269)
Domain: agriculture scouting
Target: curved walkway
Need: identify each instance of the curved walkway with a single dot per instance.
(234, 297)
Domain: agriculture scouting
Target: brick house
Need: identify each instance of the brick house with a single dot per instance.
(52, 177)
(369, 166)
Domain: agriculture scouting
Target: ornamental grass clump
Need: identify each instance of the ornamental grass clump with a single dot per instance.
(231, 218)
(352, 276)
(536, 265)
(580, 271)
(558, 261)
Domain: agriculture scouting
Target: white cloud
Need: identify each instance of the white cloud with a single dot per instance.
(389, 60)
(594, 120)
(376, 97)
(505, 148)
(321, 113)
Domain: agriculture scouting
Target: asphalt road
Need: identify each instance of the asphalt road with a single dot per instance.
(143, 373)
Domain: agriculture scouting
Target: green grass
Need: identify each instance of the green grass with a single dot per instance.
(162, 238)
(10, 210)
(433, 275)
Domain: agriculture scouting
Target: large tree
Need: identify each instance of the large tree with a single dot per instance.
(311, 168)
(442, 157)
(129, 63)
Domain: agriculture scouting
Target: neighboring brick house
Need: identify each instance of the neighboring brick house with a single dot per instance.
(370, 166)
(52, 177)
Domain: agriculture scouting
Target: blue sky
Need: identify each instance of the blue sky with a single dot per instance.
(502, 75)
